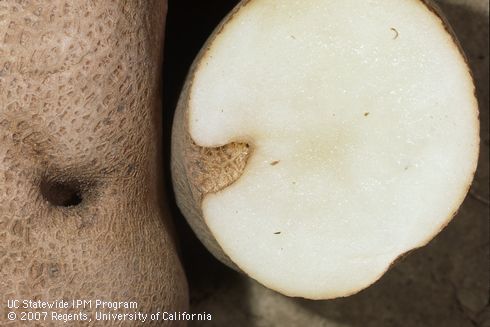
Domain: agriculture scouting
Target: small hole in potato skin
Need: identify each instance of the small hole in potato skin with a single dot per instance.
(62, 193)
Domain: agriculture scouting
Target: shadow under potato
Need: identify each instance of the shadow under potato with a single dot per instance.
(442, 284)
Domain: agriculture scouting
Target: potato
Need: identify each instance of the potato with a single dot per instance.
(315, 142)
(82, 209)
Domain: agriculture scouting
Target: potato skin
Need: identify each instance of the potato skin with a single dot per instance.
(81, 213)
(198, 171)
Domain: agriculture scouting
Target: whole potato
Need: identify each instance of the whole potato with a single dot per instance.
(81, 213)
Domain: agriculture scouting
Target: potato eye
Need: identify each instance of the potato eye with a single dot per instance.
(62, 194)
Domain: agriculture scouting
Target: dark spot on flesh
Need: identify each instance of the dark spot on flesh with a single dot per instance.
(366, 114)
(275, 162)
(277, 233)
(396, 33)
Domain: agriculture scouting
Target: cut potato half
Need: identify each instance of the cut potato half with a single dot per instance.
(316, 141)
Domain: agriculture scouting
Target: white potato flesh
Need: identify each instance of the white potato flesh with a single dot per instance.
(364, 129)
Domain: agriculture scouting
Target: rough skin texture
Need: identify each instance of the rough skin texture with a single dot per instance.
(223, 165)
(197, 171)
(81, 214)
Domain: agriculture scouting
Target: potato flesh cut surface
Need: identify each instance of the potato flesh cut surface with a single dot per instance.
(364, 130)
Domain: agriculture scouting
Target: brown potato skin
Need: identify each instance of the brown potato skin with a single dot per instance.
(80, 107)
(198, 171)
